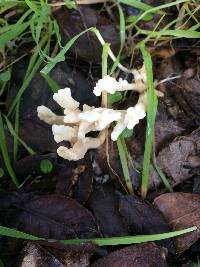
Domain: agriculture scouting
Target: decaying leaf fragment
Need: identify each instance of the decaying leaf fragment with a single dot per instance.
(145, 255)
(181, 210)
(75, 124)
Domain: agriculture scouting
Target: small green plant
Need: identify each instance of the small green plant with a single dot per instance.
(46, 166)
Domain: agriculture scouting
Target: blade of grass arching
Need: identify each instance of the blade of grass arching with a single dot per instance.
(23, 17)
(14, 32)
(12, 131)
(163, 178)
(156, 9)
(6, 7)
(4, 151)
(151, 115)
(124, 163)
(110, 241)
(61, 55)
(25, 85)
(16, 29)
(38, 24)
(27, 80)
(57, 32)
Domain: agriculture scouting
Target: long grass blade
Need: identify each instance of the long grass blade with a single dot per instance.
(122, 27)
(163, 178)
(29, 76)
(12, 131)
(151, 115)
(4, 151)
(13, 33)
(61, 55)
(124, 163)
(113, 241)
(52, 84)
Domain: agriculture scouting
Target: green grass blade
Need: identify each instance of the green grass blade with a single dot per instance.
(13, 33)
(104, 64)
(4, 151)
(28, 77)
(151, 115)
(52, 84)
(163, 178)
(32, 6)
(124, 240)
(158, 8)
(124, 163)
(12, 131)
(61, 55)
(122, 27)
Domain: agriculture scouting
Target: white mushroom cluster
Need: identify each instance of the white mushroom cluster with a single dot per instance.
(75, 124)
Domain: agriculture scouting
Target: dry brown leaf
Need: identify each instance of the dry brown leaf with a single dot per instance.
(181, 210)
(177, 159)
(140, 255)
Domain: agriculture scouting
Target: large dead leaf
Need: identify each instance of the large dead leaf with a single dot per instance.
(180, 157)
(181, 210)
(51, 216)
(141, 255)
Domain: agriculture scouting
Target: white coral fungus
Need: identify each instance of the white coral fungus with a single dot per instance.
(75, 124)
